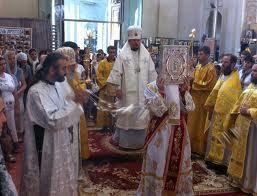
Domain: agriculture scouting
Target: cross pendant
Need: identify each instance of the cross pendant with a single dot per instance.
(137, 70)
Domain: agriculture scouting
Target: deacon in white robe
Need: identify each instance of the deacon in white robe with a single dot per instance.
(132, 71)
(49, 158)
(166, 168)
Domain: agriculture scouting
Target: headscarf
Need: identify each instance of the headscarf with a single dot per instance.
(134, 32)
(8, 70)
(71, 58)
(22, 56)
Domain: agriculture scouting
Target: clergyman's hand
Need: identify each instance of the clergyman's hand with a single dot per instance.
(191, 62)
(244, 111)
(119, 93)
(160, 85)
(80, 97)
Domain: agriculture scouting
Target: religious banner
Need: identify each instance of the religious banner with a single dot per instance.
(251, 11)
(174, 63)
(13, 38)
(174, 70)
(11, 31)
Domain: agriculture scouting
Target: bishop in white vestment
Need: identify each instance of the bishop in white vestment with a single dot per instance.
(132, 71)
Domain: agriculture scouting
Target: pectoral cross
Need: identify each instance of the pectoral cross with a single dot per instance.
(71, 133)
(137, 70)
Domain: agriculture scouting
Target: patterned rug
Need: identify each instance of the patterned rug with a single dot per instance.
(115, 172)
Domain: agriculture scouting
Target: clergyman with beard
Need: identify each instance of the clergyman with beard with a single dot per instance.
(219, 105)
(132, 71)
(242, 166)
(48, 158)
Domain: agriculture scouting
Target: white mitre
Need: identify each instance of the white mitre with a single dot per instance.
(134, 32)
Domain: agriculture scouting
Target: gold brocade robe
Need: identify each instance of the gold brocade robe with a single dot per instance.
(248, 99)
(104, 68)
(75, 83)
(204, 81)
(222, 98)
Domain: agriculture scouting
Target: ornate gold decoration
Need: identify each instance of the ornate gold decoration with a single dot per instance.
(192, 37)
(173, 109)
(86, 60)
(174, 63)
(227, 137)
(157, 105)
(87, 65)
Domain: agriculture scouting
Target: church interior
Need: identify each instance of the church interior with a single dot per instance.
(169, 97)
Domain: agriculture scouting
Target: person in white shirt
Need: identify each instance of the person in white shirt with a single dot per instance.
(7, 88)
(80, 70)
(245, 72)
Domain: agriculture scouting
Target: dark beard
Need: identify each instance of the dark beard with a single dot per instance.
(227, 71)
(254, 80)
(59, 78)
(134, 49)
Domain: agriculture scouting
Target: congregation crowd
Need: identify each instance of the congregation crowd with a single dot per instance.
(215, 119)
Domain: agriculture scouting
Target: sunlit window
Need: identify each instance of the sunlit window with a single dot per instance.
(104, 19)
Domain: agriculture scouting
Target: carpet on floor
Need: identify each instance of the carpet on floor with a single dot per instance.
(116, 172)
(15, 169)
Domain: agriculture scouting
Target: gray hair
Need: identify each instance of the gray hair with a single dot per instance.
(8, 53)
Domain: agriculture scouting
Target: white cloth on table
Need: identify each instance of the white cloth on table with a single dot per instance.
(130, 139)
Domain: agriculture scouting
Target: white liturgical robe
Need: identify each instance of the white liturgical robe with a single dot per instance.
(132, 71)
(47, 108)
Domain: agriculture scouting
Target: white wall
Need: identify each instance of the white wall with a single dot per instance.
(160, 18)
(18, 8)
(168, 18)
(176, 18)
(190, 16)
(150, 18)
(231, 25)
(171, 18)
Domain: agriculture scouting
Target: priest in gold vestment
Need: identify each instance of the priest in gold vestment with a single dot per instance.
(219, 104)
(73, 80)
(204, 79)
(104, 119)
(242, 168)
